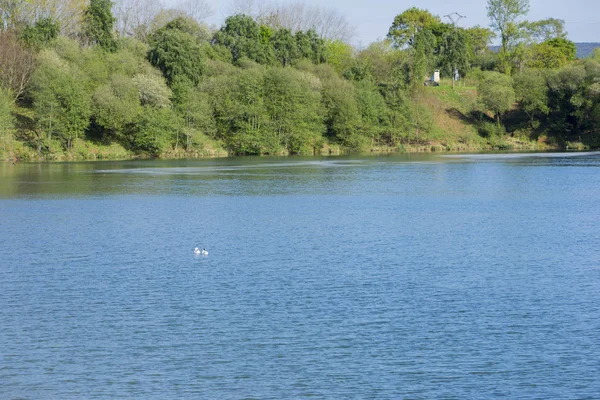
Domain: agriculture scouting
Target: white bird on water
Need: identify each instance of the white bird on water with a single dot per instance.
(203, 252)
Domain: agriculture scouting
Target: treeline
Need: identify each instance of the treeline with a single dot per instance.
(173, 86)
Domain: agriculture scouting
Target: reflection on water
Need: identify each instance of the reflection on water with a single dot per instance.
(252, 175)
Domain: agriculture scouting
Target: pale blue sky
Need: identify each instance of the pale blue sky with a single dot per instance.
(372, 18)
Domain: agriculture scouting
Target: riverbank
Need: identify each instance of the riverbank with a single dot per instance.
(451, 120)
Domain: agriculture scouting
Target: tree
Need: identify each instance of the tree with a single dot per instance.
(342, 115)
(531, 91)
(155, 130)
(284, 46)
(61, 104)
(310, 46)
(41, 34)
(503, 15)
(153, 91)
(387, 64)
(544, 30)
(294, 109)
(134, 17)
(422, 57)
(480, 39)
(177, 53)
(196, 9)
(244, 38)
(116, 107)
(496, 93)
(98, 24)
(189, 25)
(373, 110)
(16, 15)
(455, 54)
(328, 23)
(339, 55)
(17, 65)
(6, 117)
(553, 53)
(408, 24)
(195, 109)
(241, 118)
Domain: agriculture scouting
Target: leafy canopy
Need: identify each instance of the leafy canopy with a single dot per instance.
(408, 24)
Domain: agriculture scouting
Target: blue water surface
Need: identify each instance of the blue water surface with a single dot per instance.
(400, 277)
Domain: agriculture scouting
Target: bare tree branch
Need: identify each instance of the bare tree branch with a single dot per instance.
(16, 64)
(297, 16)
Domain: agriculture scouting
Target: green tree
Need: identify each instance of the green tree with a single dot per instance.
(116, 107)
(60, 102)
(455, 54)
(40, 35)
(407, 25)
(422, 58)
(386, 64)
(294, 109)
(6, 117)
(98, 24)
(177, 54)
(155, 130)
(245, 39)
(195, 109)
(480, 39)
(188, 25)
(373, 110)
(544, 30)
(310, 46)
(574, 96)
(531, 91)
(153, 91)
(284, 46)
(503, 15)
(339, 55)
(241, 117)
(553, 53)
(496, 93)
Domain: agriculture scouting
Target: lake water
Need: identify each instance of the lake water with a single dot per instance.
(400, 277)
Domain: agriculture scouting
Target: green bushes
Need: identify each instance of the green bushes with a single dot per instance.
(256, 87)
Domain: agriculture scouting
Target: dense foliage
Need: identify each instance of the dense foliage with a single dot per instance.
(172, 86)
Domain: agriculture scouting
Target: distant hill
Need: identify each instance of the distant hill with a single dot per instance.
(583, 49)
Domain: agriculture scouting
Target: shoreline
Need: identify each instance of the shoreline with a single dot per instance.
(374, 151)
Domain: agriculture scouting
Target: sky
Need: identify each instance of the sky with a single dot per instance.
(372, 18)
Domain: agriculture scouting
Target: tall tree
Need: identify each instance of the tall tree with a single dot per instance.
(17, 64)
(177, 54)
(407, 25)
(294, 109)
(196, 9)
(503, 15)
(242, 35)
(61, 103)
(41, 34)
(285, 46)
(496, 93)
(455, 55)
(296, 16)
(98, 24)
(531, 92)
(6, 117)
(545, 29)
(134, 17)
(480, 39)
